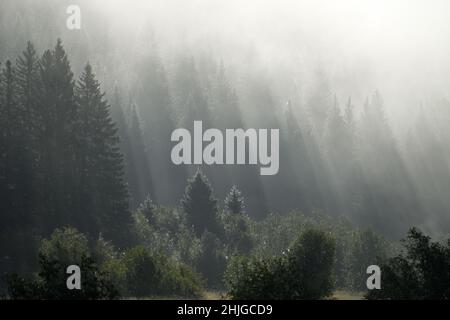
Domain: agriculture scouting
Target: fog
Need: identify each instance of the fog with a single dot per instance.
(304, 57)
(400, 48)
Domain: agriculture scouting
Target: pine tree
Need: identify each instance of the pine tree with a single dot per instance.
(8, 206)
(236, 223)
(118, 116)
(190, 100)
(199, 205)
(156, 109)
(56, 136)
(141, 182)
(234, 202)
(102, 161)
(225, 105)
(338, 149)
(384, 176)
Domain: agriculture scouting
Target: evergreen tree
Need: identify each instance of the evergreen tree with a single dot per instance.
(199, 205)
(103, 163)
(339, 151)
(236, 223)
(141, 182)
(118, 116)
(225, 105)
(384, 176)
(155, 106)
(190, 98)
(234, 202)
(56, 140)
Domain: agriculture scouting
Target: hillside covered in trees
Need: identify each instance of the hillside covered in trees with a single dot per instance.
(86, 176)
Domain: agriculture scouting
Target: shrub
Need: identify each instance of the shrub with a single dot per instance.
(305, 272)
(150, 274)
(64, 248)
(211, 262)
(420, 272)
(253, 278)
(310, 265)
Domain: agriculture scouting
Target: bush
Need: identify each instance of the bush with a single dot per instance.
(305, 272)
(310, 265)
(211, 262)
(65, 247)
(237, 233)
(164, 229)
(253, 278)
(150, 274)
(366, 248)
(420, 272)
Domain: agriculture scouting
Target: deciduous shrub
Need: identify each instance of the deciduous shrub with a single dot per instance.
(420, 272)
(151, 274)
(304, 272)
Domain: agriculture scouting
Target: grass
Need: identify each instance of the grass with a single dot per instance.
(345, 295)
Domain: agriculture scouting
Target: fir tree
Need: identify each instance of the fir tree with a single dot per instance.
(199, 205)
(141, 182)
(234, 202)
(236, 223)
(103, 163)
(56, 140)
(155, 105)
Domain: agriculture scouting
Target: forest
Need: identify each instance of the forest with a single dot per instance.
(87, 178)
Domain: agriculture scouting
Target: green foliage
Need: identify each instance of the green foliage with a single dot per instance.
(65, 247)
(419, 273)
(151, 274)
(199, 205)
(211, 262)
(310, 265)
(305, 272)
(355, 249)
(251, 278)
(164, 229)
(366, 248)
(236, 224)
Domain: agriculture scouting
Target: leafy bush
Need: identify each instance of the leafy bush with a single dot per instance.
(310, 265)
(164, 229)
(364, 249)
(64, 248)
(150, 274)
(253, 278)
(355, 249)
(211, 262)
(420, 272)
(305, 272)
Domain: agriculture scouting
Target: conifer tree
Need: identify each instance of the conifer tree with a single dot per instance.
(199, 205)
(155, 105)
(141, 182)
(56, 139)
(118, 116)
(236, 223)
(102, 161)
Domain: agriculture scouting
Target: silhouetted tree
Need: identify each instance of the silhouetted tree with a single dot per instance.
(200, 205)
(102, 164)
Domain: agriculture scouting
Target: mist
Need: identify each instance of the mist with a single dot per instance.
(280, 57)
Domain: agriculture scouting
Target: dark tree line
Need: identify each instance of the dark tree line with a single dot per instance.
(60, 161)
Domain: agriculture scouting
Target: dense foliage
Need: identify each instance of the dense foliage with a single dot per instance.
(304, 272)
(420, 272)
(69, 159)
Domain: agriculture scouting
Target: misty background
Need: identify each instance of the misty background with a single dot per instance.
(359, 90)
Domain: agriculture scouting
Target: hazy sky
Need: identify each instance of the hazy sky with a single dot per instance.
(401, 47)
